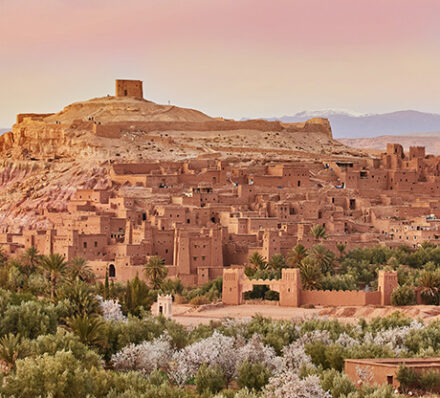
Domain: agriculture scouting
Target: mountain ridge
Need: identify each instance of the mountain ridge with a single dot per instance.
(346, 124)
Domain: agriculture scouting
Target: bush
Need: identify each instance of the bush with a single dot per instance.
(403, 295)
(429, 380)
(338, 384)
(252, 375)
(209, 379)
(327, 356)
(407, 378)
(199, 300)
(29, 319)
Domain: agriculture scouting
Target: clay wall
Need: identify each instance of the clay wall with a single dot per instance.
(32, 116)
(114, 129)
(339, 298)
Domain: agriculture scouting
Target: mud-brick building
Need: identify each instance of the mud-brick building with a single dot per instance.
(384, 370)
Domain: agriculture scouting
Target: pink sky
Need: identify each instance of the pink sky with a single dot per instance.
(232, 58)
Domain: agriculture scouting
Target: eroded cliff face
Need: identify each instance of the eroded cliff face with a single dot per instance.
(46, 158)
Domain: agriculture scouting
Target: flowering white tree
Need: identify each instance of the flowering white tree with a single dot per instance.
(111, 310)
(144, 357)
(289, 385)
(256, 351)
(393, 338)
(294, 358)
(215, 350)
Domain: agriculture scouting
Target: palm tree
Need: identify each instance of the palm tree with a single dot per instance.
(318, 232)
(296, 255)
(31, 259)
(310, 273)
(341, 249)
(137, 297)
(258, 261)
(322, 257)
(90, 330)
(81, 298)
(78, 269)
(55, 266)
(277, 262)
(155, 271)
(12, 348)
(429, 283)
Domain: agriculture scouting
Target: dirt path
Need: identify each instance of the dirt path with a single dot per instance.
(187, 315)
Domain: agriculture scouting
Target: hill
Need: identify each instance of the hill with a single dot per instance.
(349, 125)
(431, 141)
(46, 158)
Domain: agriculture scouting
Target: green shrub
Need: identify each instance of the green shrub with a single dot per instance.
(327, 356)
(252, 375)
(403, 295)
(29, 319)
(199, 300)
(429, 380)
(407, 378)
(338, 384)
(209, 379)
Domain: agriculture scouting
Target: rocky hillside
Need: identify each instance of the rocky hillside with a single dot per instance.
(431, 141)
(45, 158)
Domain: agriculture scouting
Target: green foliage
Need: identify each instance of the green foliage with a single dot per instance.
(318, 232)
(323, 258)
(209, 379)
(252, 375)
(403, 295)
(55, 267)
(30, 319)
(277, 262)
(407, 378)
(429, 283)
(311, 274)
(429, 380)
(60, 375)
(296, 255)
(338, 384)
(90, 330)
(79, 297)
(155, 271)
(138, 297)
(13, 347)
(257, 261)
(339, 282)
(327, 356)
(65, 341)
(396, 319)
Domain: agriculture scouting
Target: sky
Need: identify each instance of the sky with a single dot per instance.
(230, 58)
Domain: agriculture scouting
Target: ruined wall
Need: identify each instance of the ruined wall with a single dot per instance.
(114, 129)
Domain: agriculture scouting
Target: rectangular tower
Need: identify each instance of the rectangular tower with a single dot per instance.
(129, 88)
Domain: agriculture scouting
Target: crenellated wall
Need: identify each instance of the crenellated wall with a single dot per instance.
(235, 284)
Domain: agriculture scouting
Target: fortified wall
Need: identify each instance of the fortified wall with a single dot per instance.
(115, 129)
(235, 284)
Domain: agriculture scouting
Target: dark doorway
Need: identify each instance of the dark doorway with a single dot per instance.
(390, 380)
(111, 271)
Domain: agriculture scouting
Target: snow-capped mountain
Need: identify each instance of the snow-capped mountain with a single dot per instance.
(352, 125)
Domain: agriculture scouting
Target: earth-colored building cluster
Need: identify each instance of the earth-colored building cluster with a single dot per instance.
(119, 179)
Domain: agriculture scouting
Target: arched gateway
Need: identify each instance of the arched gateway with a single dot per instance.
(236, 283)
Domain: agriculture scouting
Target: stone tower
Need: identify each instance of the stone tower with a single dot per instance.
(129, 88)
(290, 288)
(387, 282)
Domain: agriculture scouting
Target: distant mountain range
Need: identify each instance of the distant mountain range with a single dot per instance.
(351, 125)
